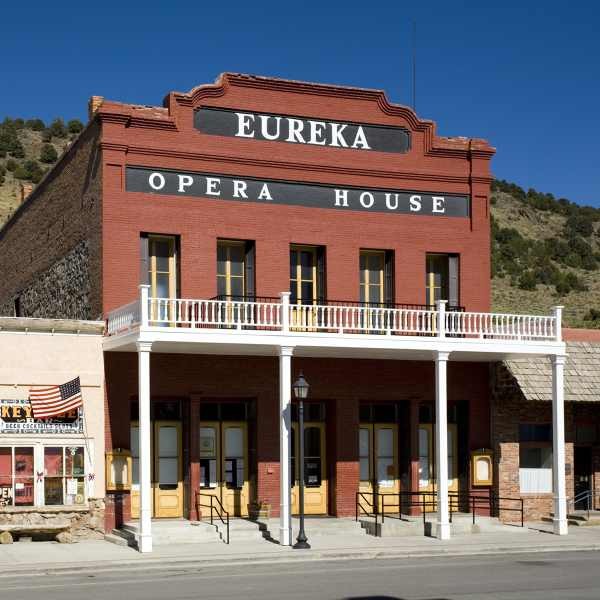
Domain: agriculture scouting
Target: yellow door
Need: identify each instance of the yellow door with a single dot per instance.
(234, 488)
(378, 455)
(224, 465)
(315, 474)
(427, 463)
(167, 480)
(135, 470)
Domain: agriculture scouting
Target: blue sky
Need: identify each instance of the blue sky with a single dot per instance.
(524, 75)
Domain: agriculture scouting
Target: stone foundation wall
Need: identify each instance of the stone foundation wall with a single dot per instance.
(79, 524)
(63, 291)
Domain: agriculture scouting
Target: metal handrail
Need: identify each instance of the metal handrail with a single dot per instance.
(220, 510)
(455, 499)
(587, 495)
(372, 504)
(334, 302)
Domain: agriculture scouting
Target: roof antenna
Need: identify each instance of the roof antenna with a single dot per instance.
(414, 66)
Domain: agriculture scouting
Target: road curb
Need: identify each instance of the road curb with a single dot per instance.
(162, 563)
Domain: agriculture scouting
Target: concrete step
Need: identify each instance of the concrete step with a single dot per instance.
(413, 526)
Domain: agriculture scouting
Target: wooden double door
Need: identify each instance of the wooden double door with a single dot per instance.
(378, 455)
(224, 464)
(167, 472)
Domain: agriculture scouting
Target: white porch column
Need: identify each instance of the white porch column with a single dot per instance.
(441, 445)
(558, 446)
(145, 525)
(285, 426)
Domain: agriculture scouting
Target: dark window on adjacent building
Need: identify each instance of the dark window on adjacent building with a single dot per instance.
(378, 412)
(535, 432)
(17, 307)
(442, 279)
(307, 274)
(235, 269)
(377, 276)
(223, 411)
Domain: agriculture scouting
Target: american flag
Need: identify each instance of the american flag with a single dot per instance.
(55, 399)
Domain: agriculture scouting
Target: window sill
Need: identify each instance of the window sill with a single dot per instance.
(44, 509)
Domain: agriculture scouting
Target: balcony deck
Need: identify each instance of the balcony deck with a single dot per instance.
(263, 325)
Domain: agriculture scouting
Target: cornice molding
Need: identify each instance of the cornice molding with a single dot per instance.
(296, 166)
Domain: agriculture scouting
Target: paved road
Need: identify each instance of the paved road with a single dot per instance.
(552, 576)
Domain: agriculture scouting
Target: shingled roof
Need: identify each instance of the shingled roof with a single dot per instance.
(582, 374)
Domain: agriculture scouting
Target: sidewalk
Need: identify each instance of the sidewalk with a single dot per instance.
(40, 558)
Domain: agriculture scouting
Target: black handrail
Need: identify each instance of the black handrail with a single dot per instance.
(426, 499)
(333, 302)
(219, 509)
(372, 504)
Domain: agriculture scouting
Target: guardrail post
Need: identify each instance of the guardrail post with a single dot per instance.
(441, 306)
(558, 322)
(144, 295)
(285, 312)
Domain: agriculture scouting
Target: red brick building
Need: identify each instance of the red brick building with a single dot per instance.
(282, 227)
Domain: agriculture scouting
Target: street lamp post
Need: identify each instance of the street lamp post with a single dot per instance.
(300, 388)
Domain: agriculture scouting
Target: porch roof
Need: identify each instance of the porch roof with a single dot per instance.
(582, 374)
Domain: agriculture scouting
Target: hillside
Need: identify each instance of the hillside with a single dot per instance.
(544, 251)
(27, 150)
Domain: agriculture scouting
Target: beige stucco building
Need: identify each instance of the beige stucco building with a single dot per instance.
(51, 470)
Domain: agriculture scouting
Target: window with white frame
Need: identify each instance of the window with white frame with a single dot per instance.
(535, 458)
(42, 475)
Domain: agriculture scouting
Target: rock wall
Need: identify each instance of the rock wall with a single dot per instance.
(80, 525)
(63, 291)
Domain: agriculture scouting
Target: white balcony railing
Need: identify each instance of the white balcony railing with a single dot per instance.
(282, 316)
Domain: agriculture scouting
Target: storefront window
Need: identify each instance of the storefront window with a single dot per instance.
(64, 470)
(535, 469)
(16, 476)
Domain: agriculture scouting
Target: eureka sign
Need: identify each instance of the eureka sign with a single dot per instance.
(269, 191)
(301, 130)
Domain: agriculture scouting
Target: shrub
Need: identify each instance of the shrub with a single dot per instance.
(48, 153)
(579, 224)
(11, 164)
(527, 281)
(47, 135)
(75, 126)
(569, 282)
(57, 128)
(592, 315)
(21, 172)
(18, 151)
(35, 124)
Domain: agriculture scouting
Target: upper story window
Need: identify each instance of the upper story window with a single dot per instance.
(235, 268)
(376, 277)
(158, 256)
(307, 274)
(441, 279)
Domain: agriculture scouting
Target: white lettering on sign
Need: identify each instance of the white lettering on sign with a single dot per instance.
(156, 181)
(265, 194)
(212, 188)
(184, 182)
(296, 193)
(415, 203)
(341, 198)
(317, 133)
(439, 204)
(244, 123)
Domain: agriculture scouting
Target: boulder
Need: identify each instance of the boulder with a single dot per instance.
(6, 537)
(64, 537)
